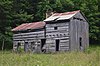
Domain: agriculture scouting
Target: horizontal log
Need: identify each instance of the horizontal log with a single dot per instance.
(57, 36)
(54, 38)
(67, 40)
(18, 39)
(63, 28)
(60, 31)
(50, 41)
(64, 47)
(58, 24)
(25, 36)
(22, 39)
(51, 48)
(59, 27)
(52, 45)
(63, 44)
(30, 33)
(50, 28)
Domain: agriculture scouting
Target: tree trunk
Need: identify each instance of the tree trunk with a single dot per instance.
(2, 44)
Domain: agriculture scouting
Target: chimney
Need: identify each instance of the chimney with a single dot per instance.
(49, 13)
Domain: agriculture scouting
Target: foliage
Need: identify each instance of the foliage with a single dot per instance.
(91, 57)
(16, 12)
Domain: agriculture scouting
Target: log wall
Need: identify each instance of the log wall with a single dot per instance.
(57, 31)
(28, 36)
(31, 41)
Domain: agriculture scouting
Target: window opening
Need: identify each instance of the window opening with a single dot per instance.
(80, 42)
(55, 28)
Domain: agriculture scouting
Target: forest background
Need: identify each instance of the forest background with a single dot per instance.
(16, 12)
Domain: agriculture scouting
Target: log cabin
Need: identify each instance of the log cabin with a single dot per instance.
(66, 31)
(29, 36)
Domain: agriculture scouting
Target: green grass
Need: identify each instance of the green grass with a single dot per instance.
(91, 57)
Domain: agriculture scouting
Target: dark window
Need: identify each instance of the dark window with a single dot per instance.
(60, 34)
(64, 34)
(57, 34)
(53, 35)
(55, 28)
(38, 42)
(80, 42)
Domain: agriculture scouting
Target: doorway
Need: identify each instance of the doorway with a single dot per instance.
(18, 46)
(26, 46)
(42, 44)
(57, 44)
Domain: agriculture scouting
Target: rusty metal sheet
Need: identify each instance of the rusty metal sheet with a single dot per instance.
(27, 26)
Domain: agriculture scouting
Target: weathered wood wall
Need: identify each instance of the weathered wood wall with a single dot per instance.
(29, 36)
(79, 29)
(31, 40)
(56, 31)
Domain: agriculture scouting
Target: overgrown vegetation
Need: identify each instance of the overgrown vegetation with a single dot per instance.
(90, 57)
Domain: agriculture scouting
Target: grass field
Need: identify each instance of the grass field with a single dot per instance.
(90, 57)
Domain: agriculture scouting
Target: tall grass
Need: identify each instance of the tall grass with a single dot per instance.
(91, 57)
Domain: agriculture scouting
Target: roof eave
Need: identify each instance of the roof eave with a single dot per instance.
(84, 16)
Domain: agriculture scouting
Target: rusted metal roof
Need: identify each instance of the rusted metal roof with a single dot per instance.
(62, 16)
(27, 26)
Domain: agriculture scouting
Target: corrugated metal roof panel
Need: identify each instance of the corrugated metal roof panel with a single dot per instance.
(62, 16)
(27, 26)
(65, 17)
(19, 27)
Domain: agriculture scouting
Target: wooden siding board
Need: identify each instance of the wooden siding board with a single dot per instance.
(73, 35)
(85, 35)
(78, 35)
